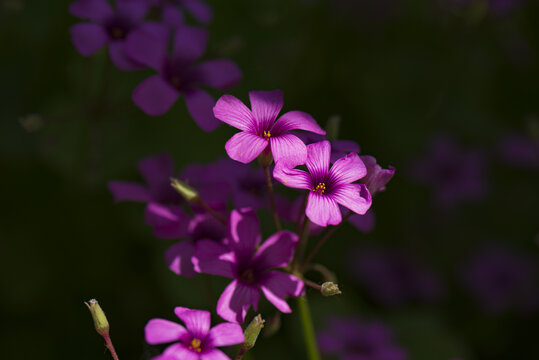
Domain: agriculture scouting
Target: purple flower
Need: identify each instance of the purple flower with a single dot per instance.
(162, 211)
(520, 151)
(180, 257)
(107, 26)
(453, 174)
(250, 265)
(394, 278)
(178, 73)
(376, 178)
(354, 339)
(199, 9)
(328, 188)
(502, 279)
(339, 148)
(195, 341)
(261, 130)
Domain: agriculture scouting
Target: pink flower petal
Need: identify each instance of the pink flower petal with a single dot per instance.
(364, 223)
(179, 256)
(288, 148)
(147, 44)
(294, 178)
(189, 43)
(172, 16)
(213, 354)
(128, 191)
(323, 210)
(355, 197)
(236, 300)
(88, 38)
(245, 147)
(157, 170)
(278, 285)
(226, 334)
(318, 155)
(221, 74)
(348, 169)
(214, 258)
(265, 106)
(155, 96)
(200, 106)
(199, 9)
(132, 9)
(232, 111)
(277, 251)
(160, 331)
(196, 321)
(297, 120)
(178, 351)
(243, 232)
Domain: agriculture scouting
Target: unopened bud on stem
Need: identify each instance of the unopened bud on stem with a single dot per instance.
(251, 334)
(100, 320)
(330, 289)
(188, 192)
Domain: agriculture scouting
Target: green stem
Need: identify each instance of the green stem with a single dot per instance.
(272, 198)
(110, 347)
(308, 329)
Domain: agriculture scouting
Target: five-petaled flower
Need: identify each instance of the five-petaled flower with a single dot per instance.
(261, 130)
(251, 267)
(194, 341)
(107, 26)
(178, 72)
(328, 187)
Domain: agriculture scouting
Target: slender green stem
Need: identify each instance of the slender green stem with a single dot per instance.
(272, 198)
(308, 329)
(110, 347)
(214, 213)
(323, 240)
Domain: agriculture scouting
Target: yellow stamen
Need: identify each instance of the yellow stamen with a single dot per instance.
(320, 188)
(195, 345)
(267, 134)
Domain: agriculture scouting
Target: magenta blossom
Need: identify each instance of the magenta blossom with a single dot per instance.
(199, 9)
(107, 26)
(195, 341)
(328, 188)
(377, 177)
(178, 72)
(261, 130)
(251, 267)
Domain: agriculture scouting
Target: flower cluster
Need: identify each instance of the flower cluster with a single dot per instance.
(212, 238)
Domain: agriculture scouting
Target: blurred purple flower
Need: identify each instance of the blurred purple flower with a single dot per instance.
(394, 278)
(520, 151)
(328, 188)
(195, 341)
(107, 26)
(261, 130)
(376, 178)
(199, 9)
(453, 174)
(180, 257)
(350, 338)
(503, 279)
(250, 266)
(178, 73)
(339, 148)
(162, 211)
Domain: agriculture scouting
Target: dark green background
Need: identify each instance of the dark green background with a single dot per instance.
(394, 79)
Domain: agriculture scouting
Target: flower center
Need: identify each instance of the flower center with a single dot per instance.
(267, 134)
(117, 33)
(175, 81)
(248, 276)
(195, 345)
(320, 188)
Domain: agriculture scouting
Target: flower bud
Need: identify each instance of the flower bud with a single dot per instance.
(252, 332)
(329, 289)
(189, 193)
(100, 320)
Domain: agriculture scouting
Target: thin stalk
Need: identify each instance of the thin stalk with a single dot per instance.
(302, 245)
(312, 284)
(208, 208)
(272, 199)
(308, 329)
(110, 347)
(323, 240)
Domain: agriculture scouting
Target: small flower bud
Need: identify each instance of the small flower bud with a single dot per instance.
(189, 193)
(330, 289)
(252, 332)
(100, 320)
